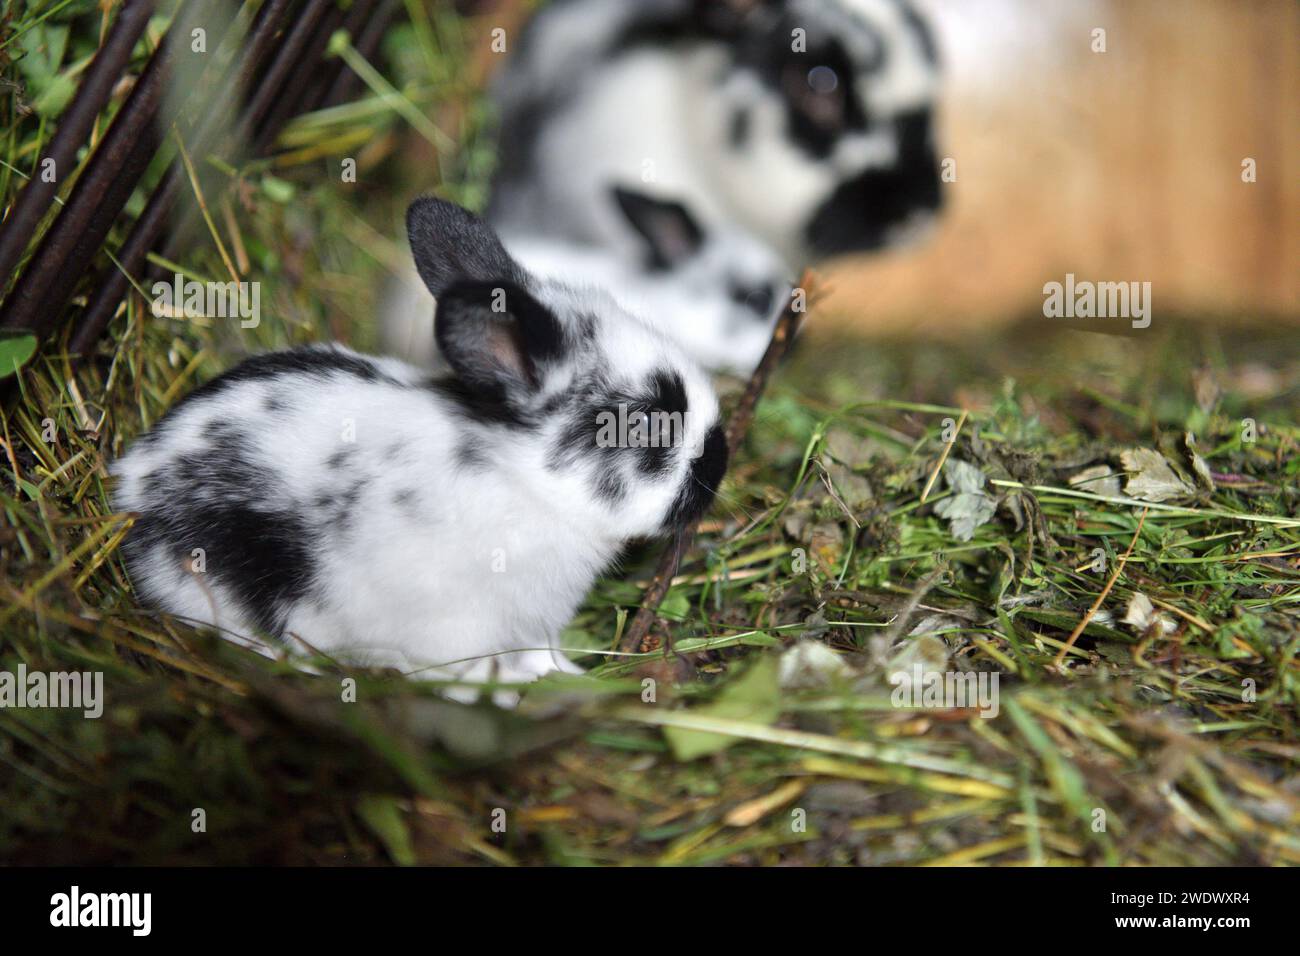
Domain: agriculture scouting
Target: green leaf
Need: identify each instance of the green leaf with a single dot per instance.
(383, 817)
(55, 96)
(1066, 779)
(676, 606)
(16, 350)
(278, 190)
(754, 696)
(43, 48)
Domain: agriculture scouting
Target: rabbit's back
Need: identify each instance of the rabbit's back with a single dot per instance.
(254, 484)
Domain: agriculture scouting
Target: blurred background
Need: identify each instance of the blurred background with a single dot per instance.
(1123, 165)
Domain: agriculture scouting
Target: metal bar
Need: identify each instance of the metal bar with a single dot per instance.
(102, 189)
(91, 238)
(346, 83)
(74, 126)
(286, 61)
(290, 101)
(23, 309)
(112, 282)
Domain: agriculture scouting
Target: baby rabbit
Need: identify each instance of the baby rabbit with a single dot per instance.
(451, 523)
(716, 293)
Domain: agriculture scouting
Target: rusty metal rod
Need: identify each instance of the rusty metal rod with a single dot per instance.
(287, 60)
(112, 282)
(294, 97)
(91, 238)
(74, 127)
(27, 305)
(267, 28)
(103, 188)
(323, 81)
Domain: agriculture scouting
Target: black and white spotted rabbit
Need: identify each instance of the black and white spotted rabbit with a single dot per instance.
(807, 123)
(450, 523)
(717, 293)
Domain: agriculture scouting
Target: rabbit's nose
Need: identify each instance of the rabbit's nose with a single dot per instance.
(707, 443)
(700, 486)
(711, 463)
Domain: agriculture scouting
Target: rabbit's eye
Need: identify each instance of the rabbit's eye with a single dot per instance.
(817, 86)
(823, 79)
(652, 430)
(655, 423)
(817, 95)
(759, 299)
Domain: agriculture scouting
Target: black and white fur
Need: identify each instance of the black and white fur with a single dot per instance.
(716, 292)
(818, 152)
(449, 523)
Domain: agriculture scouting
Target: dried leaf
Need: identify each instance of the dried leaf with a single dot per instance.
(1097, 480)
(923, 647)
(1207, 389)
(826, 545)
(969, 506)
(1200, 470)
(1140, 612)
(1142, 616)
(1151, 478)
(750, 813)
(811, 665)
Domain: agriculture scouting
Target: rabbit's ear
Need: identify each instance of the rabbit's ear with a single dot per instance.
(668, 227)
(451, 244)
(497, 337)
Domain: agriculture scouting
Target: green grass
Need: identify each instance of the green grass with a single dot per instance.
(1177, 733)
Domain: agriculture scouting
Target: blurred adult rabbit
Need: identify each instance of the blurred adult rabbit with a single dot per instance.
(805, 122)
